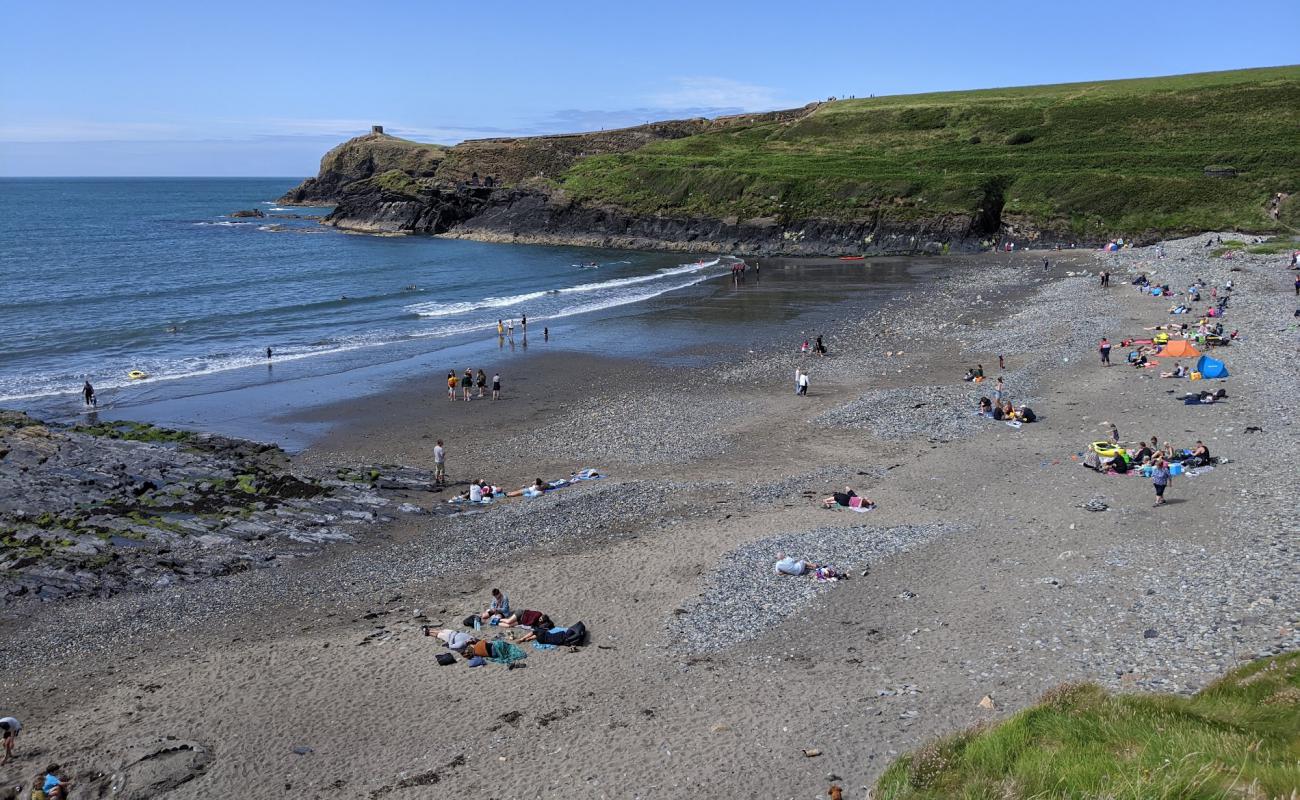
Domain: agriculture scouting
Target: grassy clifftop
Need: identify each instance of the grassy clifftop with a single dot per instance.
(1086, 159)
(1238, 738)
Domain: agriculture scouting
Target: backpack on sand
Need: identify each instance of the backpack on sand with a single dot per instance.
(577, 635)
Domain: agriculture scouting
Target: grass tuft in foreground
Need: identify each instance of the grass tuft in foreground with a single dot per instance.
(1238, 738)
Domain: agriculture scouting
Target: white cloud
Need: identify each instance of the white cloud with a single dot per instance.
(708, 92)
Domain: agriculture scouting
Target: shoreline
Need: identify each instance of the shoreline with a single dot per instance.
(717, 462)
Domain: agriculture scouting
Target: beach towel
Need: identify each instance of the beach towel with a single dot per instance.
(587, 474)
(540, 646)
(486, 501)
(860, 505)
(505, 653)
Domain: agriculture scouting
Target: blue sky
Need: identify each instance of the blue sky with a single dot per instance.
(152, 88)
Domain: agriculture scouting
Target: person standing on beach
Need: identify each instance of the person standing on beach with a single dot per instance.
(523, 323)
(439, 464)
(88, 395)
(501, 329)
(496, 386)
(546, 334)
(803, 384)
(998, 391)
(1104, 349)
(482, 383)
(467, 383)
(798, 375)
(10, 727)
(268, 354)
(1160, 478)
(451, 385)
(510, 329)
(1002, 364)
(1046, 265)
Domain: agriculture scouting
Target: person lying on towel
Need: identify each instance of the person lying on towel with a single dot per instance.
(846, 498)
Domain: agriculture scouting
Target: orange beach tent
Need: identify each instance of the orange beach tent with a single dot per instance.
(1179, 348)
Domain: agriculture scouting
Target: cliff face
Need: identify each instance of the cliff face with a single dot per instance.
(530, 216)
(1141, 159)
(509, 160)
(363, 157)
(393, 203)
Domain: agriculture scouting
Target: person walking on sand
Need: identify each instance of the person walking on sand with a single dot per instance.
(998, 391)
(88, 395)
(496, 386)
(1104, 350)
(1160, 478)
(510, 329)
(803, 384)
(523, 323)
(1046, 265)
(10, 727)
(501, 328)
(451, 385)
(798, 376)
(482, 383)
(439, 464)
(1002, 364)
(467, 383)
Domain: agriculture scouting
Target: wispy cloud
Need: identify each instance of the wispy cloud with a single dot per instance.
(87, 131)
(699, 96)
(713, 92)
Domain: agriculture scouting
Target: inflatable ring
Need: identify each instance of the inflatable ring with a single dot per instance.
(1106, 449)
(137, 375)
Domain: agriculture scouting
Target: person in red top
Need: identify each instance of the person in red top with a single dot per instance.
(1104, 349)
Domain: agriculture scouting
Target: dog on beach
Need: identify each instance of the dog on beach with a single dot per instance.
(835, 792)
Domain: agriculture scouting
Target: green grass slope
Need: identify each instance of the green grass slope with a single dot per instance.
(1088, 160)
(1238, 738)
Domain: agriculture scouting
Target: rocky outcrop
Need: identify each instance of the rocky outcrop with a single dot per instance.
(393, 203)
(249, 212)
(361, 158)
(109, 507)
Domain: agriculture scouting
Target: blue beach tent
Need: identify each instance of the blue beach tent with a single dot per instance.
(1211, 367)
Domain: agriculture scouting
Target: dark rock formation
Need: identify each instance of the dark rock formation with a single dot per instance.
(107, 507)
(251, 212)
(390, 203)
(527, 216)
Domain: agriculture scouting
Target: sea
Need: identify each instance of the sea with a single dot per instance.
(106, 277)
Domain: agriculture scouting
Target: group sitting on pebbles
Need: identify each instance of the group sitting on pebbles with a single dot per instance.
(477, 651)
